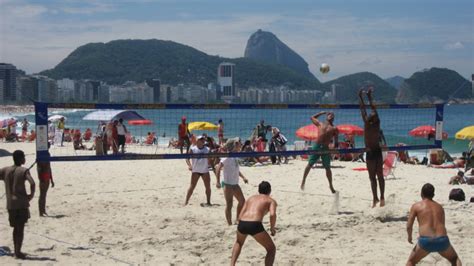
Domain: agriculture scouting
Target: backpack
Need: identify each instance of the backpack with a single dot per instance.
(457, 194)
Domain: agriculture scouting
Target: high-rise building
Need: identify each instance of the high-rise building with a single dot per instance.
(104, 93)
(155, 84)
(8, 74)
(225, 79)
(27, 89)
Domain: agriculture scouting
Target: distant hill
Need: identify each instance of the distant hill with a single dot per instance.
(348, 87)
(395, 81)
(434, 85)
(137, 60)
(266, 47)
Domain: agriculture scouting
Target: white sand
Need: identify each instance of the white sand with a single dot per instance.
(132, 212)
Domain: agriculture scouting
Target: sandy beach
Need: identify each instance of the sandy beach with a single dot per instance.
(131, 212)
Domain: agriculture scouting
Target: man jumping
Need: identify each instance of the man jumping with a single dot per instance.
(327, 131)
(374, 158)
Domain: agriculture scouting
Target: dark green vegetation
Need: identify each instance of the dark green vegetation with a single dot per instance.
(264, 46)
(348, 87)
(434, 85)
(118, 61)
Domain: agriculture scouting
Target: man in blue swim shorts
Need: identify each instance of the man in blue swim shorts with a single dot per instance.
(326, 132)
(433, 234)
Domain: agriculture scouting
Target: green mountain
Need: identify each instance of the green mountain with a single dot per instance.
(434, 85)
(395, 81)
(347, 87)
(137, 60)
(266, 47)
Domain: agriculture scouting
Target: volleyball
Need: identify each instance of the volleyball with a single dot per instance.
(324, 68)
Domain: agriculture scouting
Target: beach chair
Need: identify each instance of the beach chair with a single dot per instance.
(390, 164)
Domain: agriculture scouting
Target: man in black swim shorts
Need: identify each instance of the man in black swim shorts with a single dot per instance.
(250, 223)
(372, 137)
(18, 200)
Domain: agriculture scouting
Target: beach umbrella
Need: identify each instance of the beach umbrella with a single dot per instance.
(55, 118)
(141, 122)
(202, 126)
(425, 131)
(465, 133)
(309, 132)
(349, 129)
(7, 122)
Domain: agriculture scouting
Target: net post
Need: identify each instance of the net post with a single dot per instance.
(439, 126)
(41, 120)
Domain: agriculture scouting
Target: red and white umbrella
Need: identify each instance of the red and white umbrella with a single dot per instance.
(425, 131)
(349, 129)
(309, 132)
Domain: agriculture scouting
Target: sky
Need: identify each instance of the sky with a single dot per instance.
(386, 37)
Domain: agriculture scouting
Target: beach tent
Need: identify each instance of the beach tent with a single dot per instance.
(108, 115)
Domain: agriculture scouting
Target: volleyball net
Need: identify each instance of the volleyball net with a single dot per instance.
(78, 132)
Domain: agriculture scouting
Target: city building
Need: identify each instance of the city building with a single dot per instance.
(1, 91)
(156, 85)
(225, 80)
(36, 88)
(8, 74)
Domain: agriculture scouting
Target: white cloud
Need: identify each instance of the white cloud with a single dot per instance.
(26, 11)
(349, 44)
(454, 46)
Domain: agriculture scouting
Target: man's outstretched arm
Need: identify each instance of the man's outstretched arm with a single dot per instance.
(363, 111)
(371, 100)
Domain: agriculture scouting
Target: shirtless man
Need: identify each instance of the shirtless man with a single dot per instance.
(18, 201)
(327, 131)
(250, 223)
(433, 235)
(374, 158)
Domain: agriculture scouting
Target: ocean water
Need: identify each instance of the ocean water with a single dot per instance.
(396, 123)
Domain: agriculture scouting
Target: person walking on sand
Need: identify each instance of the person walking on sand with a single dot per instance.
(199, 168)
(45, 177)
(373, 138)
(183, 135)
(231, 179)
(18, 201)
(327, 131)
(250, 223)
(122, 132)
(432, 230)
(220, 131)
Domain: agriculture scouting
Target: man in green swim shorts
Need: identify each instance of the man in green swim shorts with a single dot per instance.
(327, 132)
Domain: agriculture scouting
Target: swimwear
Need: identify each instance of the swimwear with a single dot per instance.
(250, 228)
(326, 158)
(434, 244)
(374, 155)
(20, 216)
